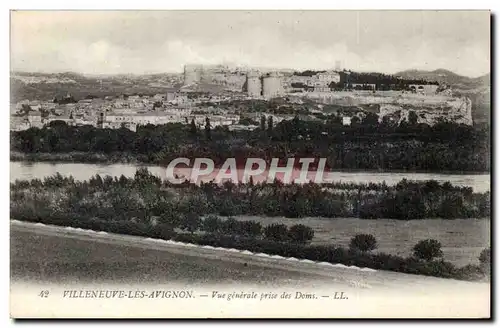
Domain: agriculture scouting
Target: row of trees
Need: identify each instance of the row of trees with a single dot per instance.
(364, 145)
(380, 79)
(298, 233)
(146, 197)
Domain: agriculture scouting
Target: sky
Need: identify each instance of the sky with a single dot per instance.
(138, 42)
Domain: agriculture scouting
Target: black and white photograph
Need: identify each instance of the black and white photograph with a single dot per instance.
(229, 164)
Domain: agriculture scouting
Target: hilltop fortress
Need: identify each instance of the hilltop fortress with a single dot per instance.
(388, 96)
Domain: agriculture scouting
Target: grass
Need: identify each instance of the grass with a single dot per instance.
(462, 239)
(55, 258)
(38, 257)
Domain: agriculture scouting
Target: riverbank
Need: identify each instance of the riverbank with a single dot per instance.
(77, 157)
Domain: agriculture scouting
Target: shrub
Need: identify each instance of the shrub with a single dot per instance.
(295, 208)
(388, 262)
(470, 272)
(190, 222)
(317, 253)
(271, 207)
(340, 255)
(173, 219)
(369, 211)
(226, 207)
(277, 232)
(300, 233)
(212, 224)
(251, 228)
(485, 261)
(403, 205)
(367, 215)
(363, 242)
(123, 227)
(163, 231)
(440, 269)
(231, 227)
(485, 256)
(427, 249)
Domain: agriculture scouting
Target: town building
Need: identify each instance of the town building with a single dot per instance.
(35, 119)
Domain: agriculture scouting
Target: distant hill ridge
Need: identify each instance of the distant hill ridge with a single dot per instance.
(448, 77)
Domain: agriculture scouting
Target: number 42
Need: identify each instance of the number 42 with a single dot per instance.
(44, 293)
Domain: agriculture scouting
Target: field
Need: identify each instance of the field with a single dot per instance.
(462, 240)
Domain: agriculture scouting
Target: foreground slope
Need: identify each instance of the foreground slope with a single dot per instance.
(58, 260)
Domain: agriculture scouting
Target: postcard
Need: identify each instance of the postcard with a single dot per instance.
(250, 164)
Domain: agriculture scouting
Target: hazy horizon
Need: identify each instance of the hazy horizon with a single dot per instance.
(151, 42)
(180, 72)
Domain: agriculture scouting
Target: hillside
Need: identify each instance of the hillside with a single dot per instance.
(477, 89)
(447, 77)
(44, 86)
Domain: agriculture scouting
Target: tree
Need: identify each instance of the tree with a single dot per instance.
(164, 231)
(157, 104)
(276, 231)
(300, 233)
(57, 124)
(371, 119)
(231, 227)
(485, 261)
(191, 222)
(427, 249)
(485, 257)
(412, 118)
(207, 129)
(251, 228)
(387, 122)
(263, 123)
(270, 124)
(193, 130)
(172, 218)
(247, 121)
(363, 242)
(212, 224)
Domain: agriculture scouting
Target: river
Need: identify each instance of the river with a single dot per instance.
(83, 171)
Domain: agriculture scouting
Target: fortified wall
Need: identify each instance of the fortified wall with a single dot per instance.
(430, 109)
